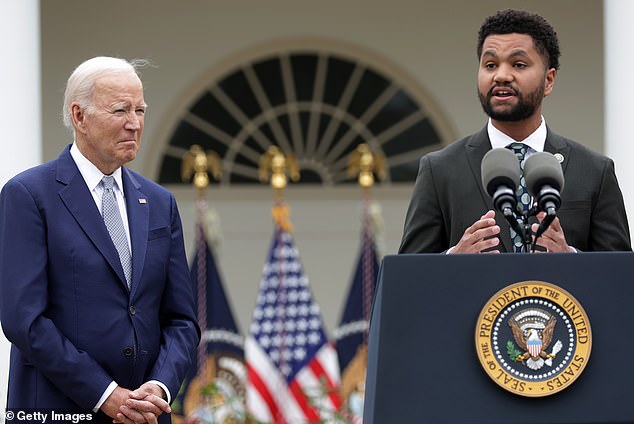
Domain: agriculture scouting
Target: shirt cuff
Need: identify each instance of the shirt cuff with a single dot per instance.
(105, 395)
(164, 387)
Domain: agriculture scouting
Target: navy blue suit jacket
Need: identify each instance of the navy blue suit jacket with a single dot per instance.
(64, 302)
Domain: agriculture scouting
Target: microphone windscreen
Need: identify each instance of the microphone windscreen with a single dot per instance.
(542, 168)
(500, 167)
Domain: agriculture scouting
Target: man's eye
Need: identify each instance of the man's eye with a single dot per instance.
(490, 65)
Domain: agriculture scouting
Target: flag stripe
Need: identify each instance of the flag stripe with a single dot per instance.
(315, 385)
(275, 386)
(265, 395)
(303, 401)
(257, 406)
(321, 373)
(328, 359)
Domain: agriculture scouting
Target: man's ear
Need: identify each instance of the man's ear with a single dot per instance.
(549, 81)
(78, 117)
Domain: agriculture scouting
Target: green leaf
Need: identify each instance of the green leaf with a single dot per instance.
(512, 351)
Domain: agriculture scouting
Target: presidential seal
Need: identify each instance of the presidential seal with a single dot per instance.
(533, 338)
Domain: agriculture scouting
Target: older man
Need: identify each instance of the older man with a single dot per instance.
(94, 289)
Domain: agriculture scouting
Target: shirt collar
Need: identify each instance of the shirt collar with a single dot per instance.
(535, 141)
(91, 174)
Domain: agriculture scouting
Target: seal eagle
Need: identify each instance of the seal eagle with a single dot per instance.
(533, 332)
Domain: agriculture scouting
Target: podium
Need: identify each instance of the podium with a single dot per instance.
(423, 364)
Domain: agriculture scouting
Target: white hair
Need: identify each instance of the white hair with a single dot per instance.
(80, 84)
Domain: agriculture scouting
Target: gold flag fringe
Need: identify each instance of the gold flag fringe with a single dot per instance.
(281, 216)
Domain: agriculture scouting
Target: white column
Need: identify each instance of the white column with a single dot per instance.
(619, 92)
(20, 119)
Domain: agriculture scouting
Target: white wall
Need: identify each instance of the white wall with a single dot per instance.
(618, 94)
(20, 118)
(431, 42)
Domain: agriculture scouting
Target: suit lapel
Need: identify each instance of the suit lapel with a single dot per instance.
(137, 205)
(477, 147)
(556, 144)
(80, 203)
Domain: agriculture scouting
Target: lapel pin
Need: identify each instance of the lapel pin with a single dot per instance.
(559, 157)
(142, 201)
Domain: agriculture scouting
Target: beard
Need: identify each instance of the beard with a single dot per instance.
(525, 107)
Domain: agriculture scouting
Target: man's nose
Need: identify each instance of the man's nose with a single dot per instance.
(134, 121)
(504, 73)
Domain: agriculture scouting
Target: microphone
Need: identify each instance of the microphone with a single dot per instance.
(500, 175)
(544, 181)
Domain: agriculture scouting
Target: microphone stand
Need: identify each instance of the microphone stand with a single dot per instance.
(551, 214)
(519, 223)
(521, 226)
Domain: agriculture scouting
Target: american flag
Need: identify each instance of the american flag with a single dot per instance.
(293, 373)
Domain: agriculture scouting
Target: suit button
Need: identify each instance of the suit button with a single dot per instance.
(132, 310)
(127, 352)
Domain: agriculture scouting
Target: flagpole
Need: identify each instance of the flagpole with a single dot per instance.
(368, 264)
(365, 164)
(199, 164)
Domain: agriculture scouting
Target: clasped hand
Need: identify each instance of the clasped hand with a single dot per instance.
(142, 405)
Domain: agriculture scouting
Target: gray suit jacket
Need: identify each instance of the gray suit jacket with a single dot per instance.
(448, 197)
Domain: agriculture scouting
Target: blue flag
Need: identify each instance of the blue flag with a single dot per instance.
(220, 333)
(218, 369)
(353, 327)
(351, 337)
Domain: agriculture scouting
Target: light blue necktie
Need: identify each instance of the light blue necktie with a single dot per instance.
(114, 223)
(523, 197)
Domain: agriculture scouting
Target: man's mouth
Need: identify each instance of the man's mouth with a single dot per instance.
(502, 92)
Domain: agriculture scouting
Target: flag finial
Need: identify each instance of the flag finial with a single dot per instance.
(199, 164)
(365, 163)
(278, 165)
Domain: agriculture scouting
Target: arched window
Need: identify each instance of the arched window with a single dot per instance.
(314, 103)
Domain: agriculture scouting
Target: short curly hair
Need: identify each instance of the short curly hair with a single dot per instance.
(511, 21)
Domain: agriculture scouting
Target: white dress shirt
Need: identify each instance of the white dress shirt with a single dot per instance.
(535, 141)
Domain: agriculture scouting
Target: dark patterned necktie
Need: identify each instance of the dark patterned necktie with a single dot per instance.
(523, 197)
(114, 224)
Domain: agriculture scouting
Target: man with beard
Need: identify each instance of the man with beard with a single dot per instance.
(451, 212)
